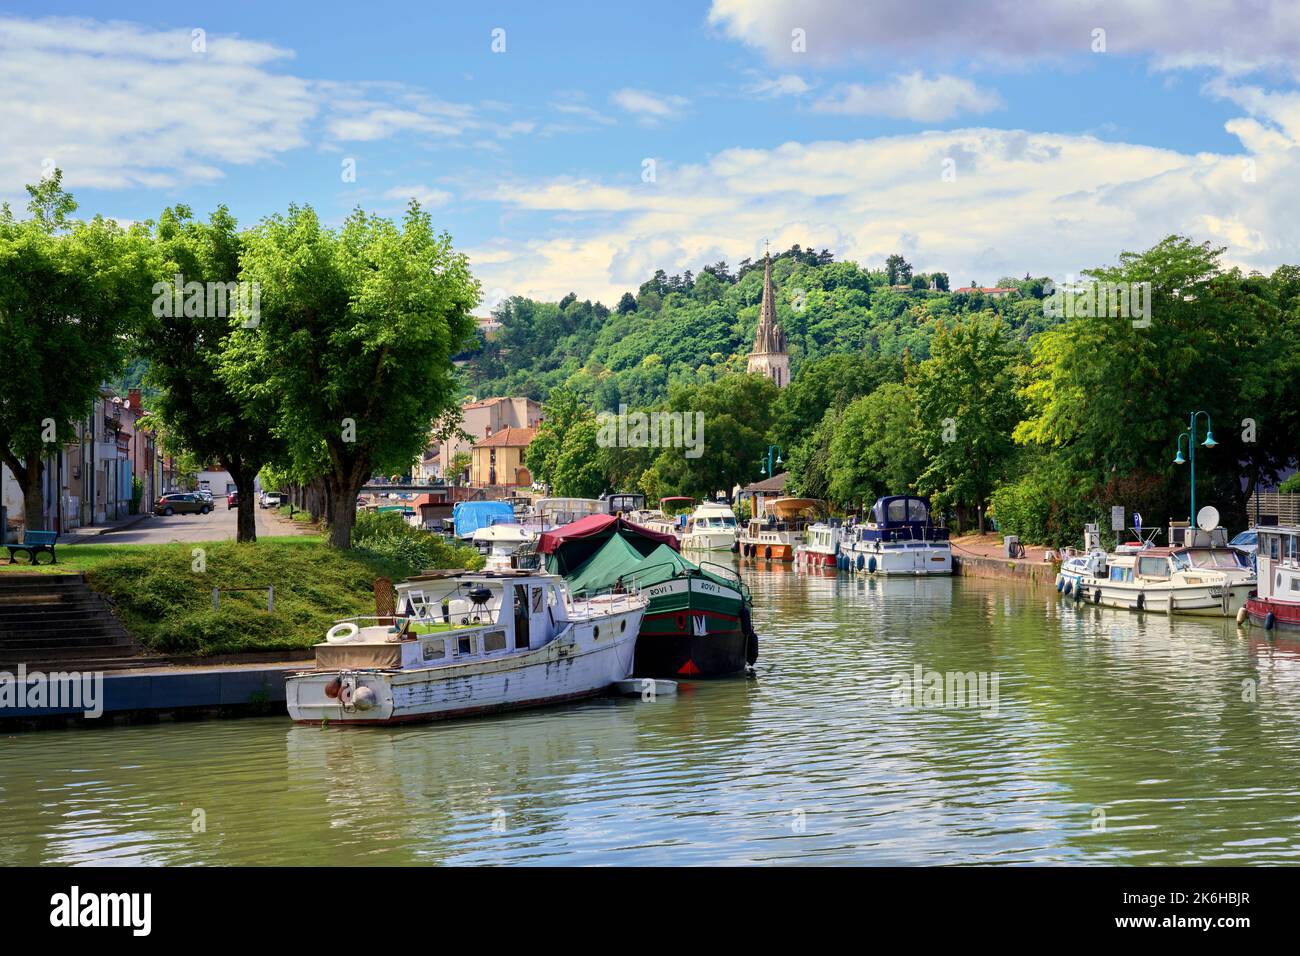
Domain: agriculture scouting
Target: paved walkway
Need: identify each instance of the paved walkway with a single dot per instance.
(219, 525)
(990, 546)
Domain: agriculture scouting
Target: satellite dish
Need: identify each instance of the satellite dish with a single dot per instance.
(1207, 519)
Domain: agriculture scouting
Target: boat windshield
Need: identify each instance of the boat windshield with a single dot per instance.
(1212, 558)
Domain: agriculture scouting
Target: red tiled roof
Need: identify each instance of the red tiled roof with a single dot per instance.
(508, 438)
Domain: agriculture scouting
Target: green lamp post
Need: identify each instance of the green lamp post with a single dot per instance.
(1190, 435)
(767, 469)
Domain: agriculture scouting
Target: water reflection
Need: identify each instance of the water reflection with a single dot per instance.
(1179, 735)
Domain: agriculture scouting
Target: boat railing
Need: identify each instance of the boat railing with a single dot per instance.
(727, 574)
(617, 598)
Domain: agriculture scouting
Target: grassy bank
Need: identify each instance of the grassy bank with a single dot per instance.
(165, 598)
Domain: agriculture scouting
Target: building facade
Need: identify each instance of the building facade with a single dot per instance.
(483, 419)
(498, 460)
(769, 356)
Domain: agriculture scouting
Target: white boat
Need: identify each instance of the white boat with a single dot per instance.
(898, 537)
(711, 527)
(821, 546)
(464, 644)
(1276, 601)
(1202, 575)
(499, 542)
(554, 512)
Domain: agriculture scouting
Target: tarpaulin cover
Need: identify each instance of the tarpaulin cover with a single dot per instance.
(619, 560)
(469, 516)
(573, 544)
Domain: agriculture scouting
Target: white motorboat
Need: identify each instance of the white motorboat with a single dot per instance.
(898, 537)
(1200, 575)
(463, 644)
(711, 527)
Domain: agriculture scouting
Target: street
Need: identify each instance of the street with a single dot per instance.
(216, 526)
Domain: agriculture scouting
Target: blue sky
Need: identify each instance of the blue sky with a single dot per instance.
(978, 141)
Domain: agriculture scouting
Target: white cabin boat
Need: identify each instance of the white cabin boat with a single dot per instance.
(898, 537)
(499, 542)
(465, 644)
(1276, 601)
(711, 527)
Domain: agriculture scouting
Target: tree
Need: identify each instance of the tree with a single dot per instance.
(941, 281)
(195, 405)
(737, 421)
(874, 449)
(355, 342)
(626, 304)
(1111, 393)
(967, 405)
(898, 269)
(69, 293)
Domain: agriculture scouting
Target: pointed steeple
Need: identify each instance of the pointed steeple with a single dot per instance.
(769, 356)
(769, 337)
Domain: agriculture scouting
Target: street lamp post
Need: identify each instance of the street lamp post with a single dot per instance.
(1190, 435)
(767, 469)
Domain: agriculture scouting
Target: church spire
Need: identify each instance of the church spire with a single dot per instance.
(769, 337)
(769, 356)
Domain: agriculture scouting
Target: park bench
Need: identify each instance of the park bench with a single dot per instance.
(34, 542)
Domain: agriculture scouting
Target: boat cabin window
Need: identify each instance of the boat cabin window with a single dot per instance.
(1274, 547)
(434, 650)
(465, 645)
(494, 641)
(1206, 558)
(1153, 567)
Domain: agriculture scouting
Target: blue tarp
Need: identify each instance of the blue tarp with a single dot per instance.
(469, 516)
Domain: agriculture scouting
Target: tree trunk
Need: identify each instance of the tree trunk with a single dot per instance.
(28, 475)
(245, 516)
(341, 518)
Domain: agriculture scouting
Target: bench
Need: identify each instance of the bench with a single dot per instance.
(34, 542)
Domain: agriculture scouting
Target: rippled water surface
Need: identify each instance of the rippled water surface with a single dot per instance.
(1116, 739)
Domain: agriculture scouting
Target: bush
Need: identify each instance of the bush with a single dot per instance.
(387, 535)
(161, 598)
(1044, 506)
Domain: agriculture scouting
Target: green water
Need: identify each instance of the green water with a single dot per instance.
(813, 760)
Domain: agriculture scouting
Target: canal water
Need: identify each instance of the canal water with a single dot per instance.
(1108, 738)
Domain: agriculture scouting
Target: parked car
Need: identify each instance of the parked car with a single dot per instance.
(182, 502)
(271, 499)
(232, 500)
(207, 495)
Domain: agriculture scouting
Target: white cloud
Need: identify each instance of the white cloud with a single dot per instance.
(838, 29)
(120, 105)
(427, 196)
(788, 84)
(1046, 203)
(912, 96)
(116, 105)
(647, 105)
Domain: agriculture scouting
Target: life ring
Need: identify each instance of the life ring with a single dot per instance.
(342, 633)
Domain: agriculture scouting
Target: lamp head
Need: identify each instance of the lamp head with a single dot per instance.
(1209, 439)
(1179, 459)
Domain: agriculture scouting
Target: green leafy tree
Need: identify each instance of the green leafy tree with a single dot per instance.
(69, 293)
(967, 405)
(197, 407)
(874, 450)
(358, 327)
